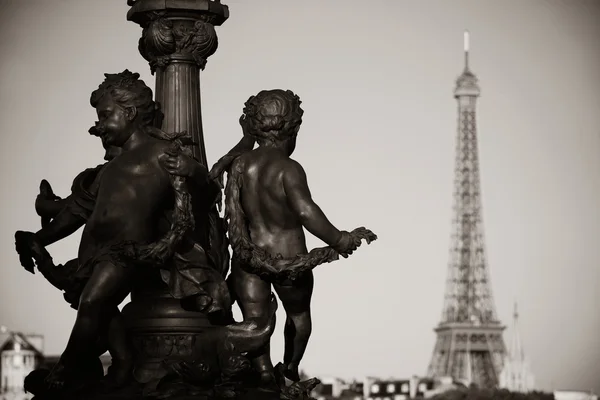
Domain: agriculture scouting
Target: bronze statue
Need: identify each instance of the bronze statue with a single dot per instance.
(66, 277)
(152, 230)
(268, 203)
(48, 206)
(128, 225)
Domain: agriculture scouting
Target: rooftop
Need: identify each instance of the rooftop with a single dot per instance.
(16, 341)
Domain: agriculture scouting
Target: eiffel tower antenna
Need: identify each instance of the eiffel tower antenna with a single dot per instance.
(466, 45)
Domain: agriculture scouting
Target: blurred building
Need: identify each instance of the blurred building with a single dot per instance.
(335, 388)
(20, 354)
(374, 389)
(574, 395)
(399, 389)
(443, 384)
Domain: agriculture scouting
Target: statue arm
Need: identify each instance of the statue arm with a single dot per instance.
(244, 145)
(66, 223)
(76, 208)
(310, 214)
(49, 207)
(206, 192)
(46, 266)
(199, 174)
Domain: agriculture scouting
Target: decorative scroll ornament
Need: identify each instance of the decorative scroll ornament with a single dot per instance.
(164, 40)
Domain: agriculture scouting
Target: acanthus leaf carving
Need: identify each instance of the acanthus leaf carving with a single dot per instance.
(164, 40)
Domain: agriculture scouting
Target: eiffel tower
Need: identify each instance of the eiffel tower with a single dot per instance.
(469, 346)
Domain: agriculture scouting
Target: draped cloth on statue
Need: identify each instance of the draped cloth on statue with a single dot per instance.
(82, 199)
(191, 271)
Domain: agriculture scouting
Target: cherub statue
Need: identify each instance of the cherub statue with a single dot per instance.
(139, 214)
(267, 204)
(65, 277)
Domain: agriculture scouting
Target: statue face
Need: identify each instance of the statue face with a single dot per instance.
(114, 122)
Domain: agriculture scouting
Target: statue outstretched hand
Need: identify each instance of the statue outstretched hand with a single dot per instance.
(350, 241)
(31, 251)
(45, 202)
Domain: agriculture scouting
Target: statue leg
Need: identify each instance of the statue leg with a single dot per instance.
(106, 289)
(120, 351)
(254, 297)
(298, 325)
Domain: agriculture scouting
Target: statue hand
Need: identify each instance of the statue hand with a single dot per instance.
(350, 241)
(244, 124)
(180, 164)
(219, 201)
(30, 250)
(345, 245)
(46, 190)
(45, 199)
(158, 253)
(216, 173)
(365, 234)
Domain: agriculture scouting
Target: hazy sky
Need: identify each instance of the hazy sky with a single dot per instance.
(377, 142)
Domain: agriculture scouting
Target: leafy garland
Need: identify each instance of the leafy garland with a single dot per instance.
(256, 260)
(162, 250)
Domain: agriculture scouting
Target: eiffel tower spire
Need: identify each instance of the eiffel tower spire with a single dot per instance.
(516, 375)
(516, 349)
(469, 345)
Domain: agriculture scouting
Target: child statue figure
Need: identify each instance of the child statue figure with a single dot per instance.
(268, 204)
(138, 214)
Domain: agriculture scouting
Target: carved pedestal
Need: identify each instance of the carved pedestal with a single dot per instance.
(161, 330)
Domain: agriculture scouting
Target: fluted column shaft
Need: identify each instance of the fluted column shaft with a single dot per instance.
(177, 39)
(178, 92)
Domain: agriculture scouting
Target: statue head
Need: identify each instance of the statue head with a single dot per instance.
(273, 117)
(123, 103)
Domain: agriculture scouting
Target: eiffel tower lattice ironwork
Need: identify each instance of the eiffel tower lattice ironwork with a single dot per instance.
(469, 345)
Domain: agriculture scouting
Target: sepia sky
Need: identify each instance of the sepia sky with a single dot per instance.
(376, 79)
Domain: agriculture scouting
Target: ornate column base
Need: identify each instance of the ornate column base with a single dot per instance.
(162, 331)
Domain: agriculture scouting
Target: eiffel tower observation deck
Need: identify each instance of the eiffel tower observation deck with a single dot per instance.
(469, 345)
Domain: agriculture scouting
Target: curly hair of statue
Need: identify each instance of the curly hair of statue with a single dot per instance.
(273, 115)
(127, 90)
(270, 115)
